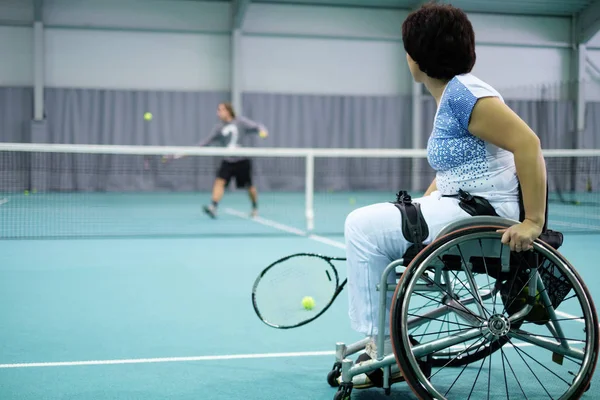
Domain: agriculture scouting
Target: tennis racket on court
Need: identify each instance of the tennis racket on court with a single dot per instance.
(296, 290)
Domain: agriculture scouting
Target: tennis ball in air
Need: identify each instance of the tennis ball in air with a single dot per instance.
(26, 193)
(308, 303)
(147, 116)
(352, 200)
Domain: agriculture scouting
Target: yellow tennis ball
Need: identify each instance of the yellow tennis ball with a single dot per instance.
(26, 193)
(308, 303)
(148, 116)
(352, 200)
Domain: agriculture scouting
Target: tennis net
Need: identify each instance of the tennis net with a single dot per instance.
(90, 191)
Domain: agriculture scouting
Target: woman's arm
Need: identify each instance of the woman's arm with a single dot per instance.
(251, 126)
(432, 188)
(494, 122)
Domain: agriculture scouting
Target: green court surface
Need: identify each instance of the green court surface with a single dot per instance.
(155, 302)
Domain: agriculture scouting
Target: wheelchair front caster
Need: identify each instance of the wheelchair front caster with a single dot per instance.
(343, 392)
(334, 374)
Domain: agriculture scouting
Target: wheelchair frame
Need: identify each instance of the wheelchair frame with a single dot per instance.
(345, 366)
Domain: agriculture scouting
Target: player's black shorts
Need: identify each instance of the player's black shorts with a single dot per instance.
(240, 170)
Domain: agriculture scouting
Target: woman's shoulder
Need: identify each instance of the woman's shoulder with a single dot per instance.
(471, 86)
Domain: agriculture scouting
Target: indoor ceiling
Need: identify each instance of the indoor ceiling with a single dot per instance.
(526, 7)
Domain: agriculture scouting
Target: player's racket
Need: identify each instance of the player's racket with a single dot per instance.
(279, 289)
(163, 160)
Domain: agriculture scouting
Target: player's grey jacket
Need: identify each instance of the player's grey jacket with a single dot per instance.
(233, 134)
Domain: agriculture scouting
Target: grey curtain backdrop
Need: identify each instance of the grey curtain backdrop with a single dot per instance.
(333, 122)
(16, 110)
(82, 116)
(87, 116)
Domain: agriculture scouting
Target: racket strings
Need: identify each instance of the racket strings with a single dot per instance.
(279, 292)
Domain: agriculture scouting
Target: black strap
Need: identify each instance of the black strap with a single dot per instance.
(474, 205)
(414, 227)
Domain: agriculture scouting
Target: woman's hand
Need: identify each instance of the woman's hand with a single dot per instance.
(520, 237)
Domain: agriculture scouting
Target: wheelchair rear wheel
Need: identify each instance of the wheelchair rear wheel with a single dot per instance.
(519, 325)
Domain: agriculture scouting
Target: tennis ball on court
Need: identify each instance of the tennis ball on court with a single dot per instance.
(308, 303)
(147, 116)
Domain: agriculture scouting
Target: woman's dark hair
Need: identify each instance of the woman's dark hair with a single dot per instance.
(229, 108)
(441, 40)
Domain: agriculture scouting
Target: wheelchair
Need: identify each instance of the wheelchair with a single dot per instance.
(469, 318)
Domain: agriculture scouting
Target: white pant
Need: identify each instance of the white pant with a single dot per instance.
(374, 238)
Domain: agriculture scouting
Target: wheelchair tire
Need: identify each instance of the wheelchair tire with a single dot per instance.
(408, 362)
(333, 375)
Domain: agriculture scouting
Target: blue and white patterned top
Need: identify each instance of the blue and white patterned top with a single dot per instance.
(462, 160)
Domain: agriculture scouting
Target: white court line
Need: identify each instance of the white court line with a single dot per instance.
(236, 213)
(573, 317)
(575, 225)
(285, 228)
(168, 359)
(262, 221)
(573, 215)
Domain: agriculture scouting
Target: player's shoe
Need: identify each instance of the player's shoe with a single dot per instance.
(254, 213)
(210, 210)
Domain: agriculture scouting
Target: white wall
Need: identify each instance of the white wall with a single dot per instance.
(136, 60)
(121, 44)
(334, 50)
(520, 55)
(314, 50)
(133, 44)
(16, 49)
(155, 15)
(185, 45)
(592, 84)
(321, 66)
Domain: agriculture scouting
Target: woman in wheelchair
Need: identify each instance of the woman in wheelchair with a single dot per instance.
(478, 145)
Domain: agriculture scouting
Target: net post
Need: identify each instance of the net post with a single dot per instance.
(310, 191)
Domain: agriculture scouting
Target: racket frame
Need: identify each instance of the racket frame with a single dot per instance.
(338, 287)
